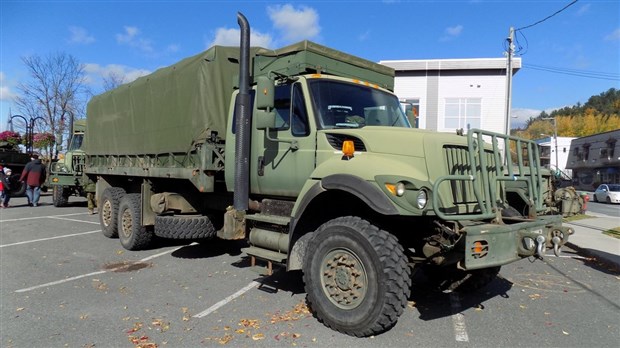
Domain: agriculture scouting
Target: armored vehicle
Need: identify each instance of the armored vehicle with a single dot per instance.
(306, 153)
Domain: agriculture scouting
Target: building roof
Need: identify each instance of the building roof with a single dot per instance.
(452, 64)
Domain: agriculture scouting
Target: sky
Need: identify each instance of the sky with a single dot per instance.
(567, 56)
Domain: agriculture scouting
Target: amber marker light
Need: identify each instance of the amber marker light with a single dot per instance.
(478, 247)
(391, 188)
(348, 148)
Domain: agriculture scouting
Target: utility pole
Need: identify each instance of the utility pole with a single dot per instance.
(509, 54)
(555, 141)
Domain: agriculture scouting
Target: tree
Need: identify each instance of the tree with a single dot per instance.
(112, 80)
(53, 93)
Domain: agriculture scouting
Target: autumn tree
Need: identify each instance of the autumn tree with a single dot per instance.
(54, 93)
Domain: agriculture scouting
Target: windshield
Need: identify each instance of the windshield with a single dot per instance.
(347, 105)
(615, 188)
(76, 142)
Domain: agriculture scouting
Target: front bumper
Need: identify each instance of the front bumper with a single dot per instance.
(490, 245)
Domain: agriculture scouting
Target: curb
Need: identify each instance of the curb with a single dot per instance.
(612, 261)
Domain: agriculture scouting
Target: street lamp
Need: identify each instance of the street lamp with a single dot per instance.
(29, 130)
(555, 140)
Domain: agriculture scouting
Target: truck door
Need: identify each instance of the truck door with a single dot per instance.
(283, 157)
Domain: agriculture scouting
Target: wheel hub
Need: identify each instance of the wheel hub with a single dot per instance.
(126, 223)
(343, 278)
(106, 213)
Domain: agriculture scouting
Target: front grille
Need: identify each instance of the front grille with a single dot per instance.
(336, 140)
(458, 163)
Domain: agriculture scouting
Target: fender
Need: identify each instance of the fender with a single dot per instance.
(360, 188)
(352, 184)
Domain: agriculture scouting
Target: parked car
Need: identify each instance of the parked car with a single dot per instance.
(609, 193)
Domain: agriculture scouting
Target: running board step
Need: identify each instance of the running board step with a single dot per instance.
(270, 219)
(265, 255)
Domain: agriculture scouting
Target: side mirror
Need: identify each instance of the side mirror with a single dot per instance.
(265, 88)
(264, 119)
(265, 95)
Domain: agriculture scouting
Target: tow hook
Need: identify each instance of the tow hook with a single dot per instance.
(540, 247)
(556, 245)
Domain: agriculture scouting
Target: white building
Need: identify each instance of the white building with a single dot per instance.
(549, 150)
(449, 94)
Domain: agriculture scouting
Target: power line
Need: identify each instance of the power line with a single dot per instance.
(575, 72)
(544, 19)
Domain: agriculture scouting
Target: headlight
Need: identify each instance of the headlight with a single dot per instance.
(400, 189)
(422, 199)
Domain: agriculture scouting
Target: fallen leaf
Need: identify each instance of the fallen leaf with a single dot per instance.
(258, 336)
(225, 339)
(83, 316)
(19, 309)
(564, 332)
(522, 306)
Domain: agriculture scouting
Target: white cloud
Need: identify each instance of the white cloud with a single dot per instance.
(583, 10)
(79, 35)
(5, 91)
(231, 37)
(95, 72)
(451, 33)
(520, 116)
(295, 24)
(133, 38)
(613, 36)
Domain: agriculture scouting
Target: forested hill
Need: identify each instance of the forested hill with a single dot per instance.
(601, 113)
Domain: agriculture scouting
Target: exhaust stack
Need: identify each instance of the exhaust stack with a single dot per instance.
(242, 117)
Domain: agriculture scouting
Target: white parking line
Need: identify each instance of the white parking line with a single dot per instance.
(95, 273)
(227, 300)
(76, 220)
(50, 238)
(460, 330)
(42, 217)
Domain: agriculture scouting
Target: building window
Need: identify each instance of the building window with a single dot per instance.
(463, 113)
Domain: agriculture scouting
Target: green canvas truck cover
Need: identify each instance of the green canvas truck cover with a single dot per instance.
(166, 111)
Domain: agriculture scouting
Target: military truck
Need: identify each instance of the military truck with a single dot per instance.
(306, 153)
(66, 176)
(11, 157)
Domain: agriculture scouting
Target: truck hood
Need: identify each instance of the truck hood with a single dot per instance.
(409, 142)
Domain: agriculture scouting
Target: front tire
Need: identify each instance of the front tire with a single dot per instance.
(132, 234)
(108, 215)
(356, 277)
(59, 197)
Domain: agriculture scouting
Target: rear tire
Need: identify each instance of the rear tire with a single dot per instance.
(59, 197)
(356, 277)
(108, 214)
(132, 234)
(184, 227)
